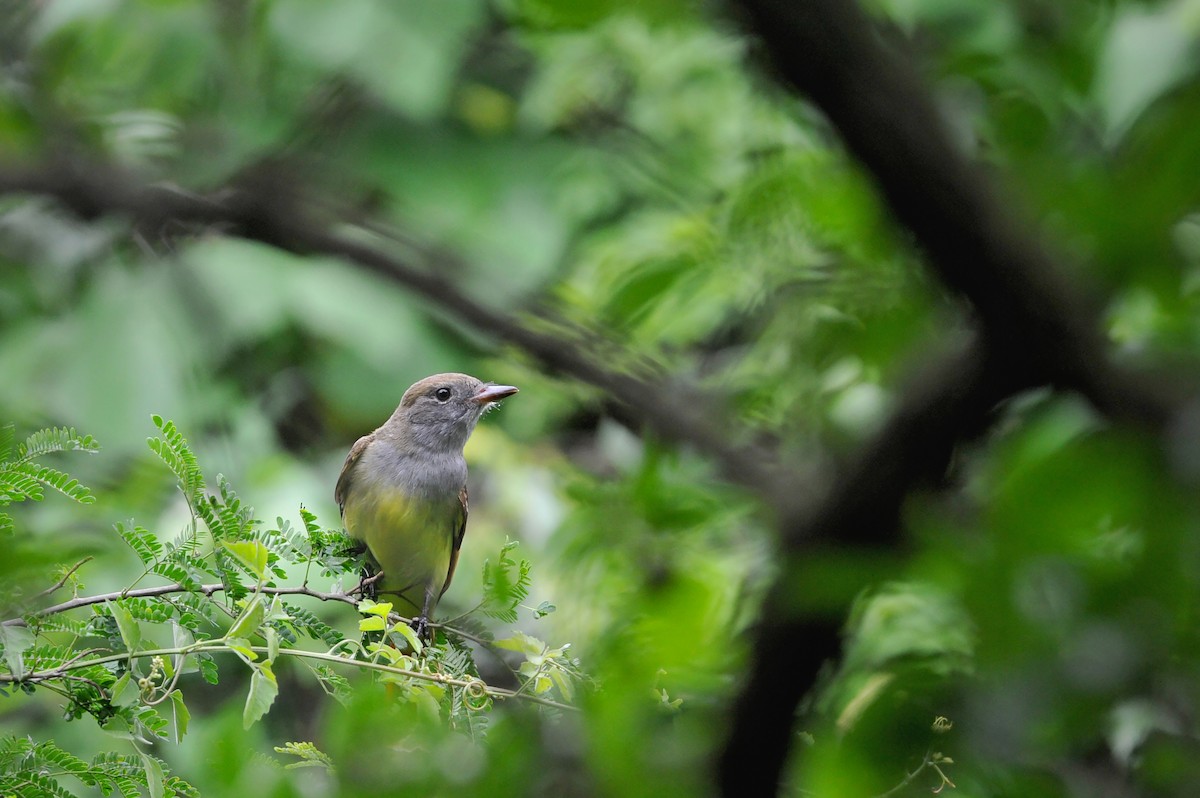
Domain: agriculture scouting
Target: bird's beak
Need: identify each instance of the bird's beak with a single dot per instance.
(493, 393)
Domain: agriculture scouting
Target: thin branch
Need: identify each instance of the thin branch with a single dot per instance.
(161, 590)
(209, 590)
(267, 209)
(61, 671)
(908, 778)
(65, 577)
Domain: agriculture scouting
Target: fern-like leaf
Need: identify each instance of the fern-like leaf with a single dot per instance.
(7, 431)
(22, 479)
(62, 760)
(505, 585)
(30, 784)
(172, 448)
(307, 622)
(16, 486)
(59, 481)
(55, 439)
(307, 755)
(143, 542)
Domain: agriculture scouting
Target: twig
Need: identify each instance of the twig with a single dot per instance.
(160, 590)
(212, 647)
(209, 590)
(268, 211)
(65, 577)
(908, 779)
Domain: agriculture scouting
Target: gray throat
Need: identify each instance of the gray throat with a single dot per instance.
(430, 473)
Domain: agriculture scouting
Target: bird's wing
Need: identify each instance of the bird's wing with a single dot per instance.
(343, 482)
(459, 532)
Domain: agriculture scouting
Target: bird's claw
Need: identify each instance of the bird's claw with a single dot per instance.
(421, 627)
(366, 586)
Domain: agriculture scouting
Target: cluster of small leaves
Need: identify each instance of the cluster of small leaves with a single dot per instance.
(33, 770)
(172, 448)
(240, 547)
(466, 710)
(23, 478)
(330, 549)
(306, 621)
(333, 683)
(224, 515)
(505, 585)
(163, 632)
(544, 667)
(307, 756)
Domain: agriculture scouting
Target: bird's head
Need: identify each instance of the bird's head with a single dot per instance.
(441, 411)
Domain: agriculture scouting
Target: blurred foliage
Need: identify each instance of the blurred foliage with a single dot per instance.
(626, 165)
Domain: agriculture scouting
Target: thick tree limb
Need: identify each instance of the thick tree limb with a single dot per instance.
(830, 51)
(1037, 328)
(267, 210)
(861, 510)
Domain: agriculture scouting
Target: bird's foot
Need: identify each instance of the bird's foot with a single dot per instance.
(420, 625)
(366, 586)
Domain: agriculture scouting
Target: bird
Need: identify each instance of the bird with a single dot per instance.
(402, 491)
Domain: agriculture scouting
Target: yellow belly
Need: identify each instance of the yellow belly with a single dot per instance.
(410, 540)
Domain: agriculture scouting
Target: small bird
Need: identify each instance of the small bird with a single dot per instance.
(403, 488)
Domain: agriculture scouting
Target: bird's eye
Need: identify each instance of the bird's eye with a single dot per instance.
(442, 394)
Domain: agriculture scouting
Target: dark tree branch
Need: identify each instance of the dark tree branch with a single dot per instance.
(949, 402)
(830, 51)
(267, 210)
(1036, 328)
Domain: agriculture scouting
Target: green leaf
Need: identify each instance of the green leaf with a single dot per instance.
(406, 631)
(131, 632)
(263, 689)
(174, 451)
(154, 775)
(181, 718)
(143, 542)
(1148, 51)
(121, 695)
(248, 623)
(564, 684)
(208, 669)
(181, 637)
(272, 643)
(372, 624)
(309, 756)
(242, 648)
(16, 640)
(505, 584)
(523, 643)
(369, 607)
(250, 553)
(19, 487)
(59, 481)
(7, 431)
(55, 439)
